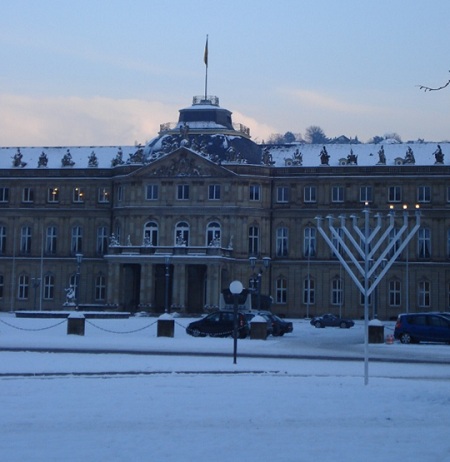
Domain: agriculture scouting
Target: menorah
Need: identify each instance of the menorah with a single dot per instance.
(373, 252)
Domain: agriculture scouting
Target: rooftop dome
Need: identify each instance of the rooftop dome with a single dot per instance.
(207, 128)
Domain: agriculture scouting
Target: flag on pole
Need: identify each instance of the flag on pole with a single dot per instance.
(205, 56)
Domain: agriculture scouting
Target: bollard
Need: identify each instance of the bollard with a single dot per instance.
(166, 326)
(258, 328)
(75, 324)
(376, 331)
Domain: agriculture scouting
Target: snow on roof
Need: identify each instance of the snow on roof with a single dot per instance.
(282, 155)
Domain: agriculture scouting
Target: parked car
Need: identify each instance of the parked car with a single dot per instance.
(279, 326)
(249, 315)
(219, 324)
(422, 327)
(331, 320)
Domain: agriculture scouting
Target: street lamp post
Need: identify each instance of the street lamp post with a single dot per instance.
(166, 287)
(236, 288)
(266, 264)
(79, 257)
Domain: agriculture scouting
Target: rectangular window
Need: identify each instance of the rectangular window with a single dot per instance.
(337, 194)
(2, 239)
(103, 195)
(282, 194)
(365, 194)
(310, 194)
(255, 192)
(53, 195)
(309, 242)
(76, 245)
(281, 291)
(336, 292)
(119, 193)
(448, 193)
(151, 192)
(424, 194)
(49, 287)
(100, 288)
(50, 240)
(395, 293)
(309, 293)
(27, 195)
(394, 194)
(253, 240)
(23, 287)
(4, 194)
(183, 192)
(214, 192)
(282, 242)
(25, 239)
(424, 243)
(78, 195)
(102, 240)
(2, 285)
(424, 294)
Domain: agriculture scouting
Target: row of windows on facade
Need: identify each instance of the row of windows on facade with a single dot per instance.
(54, 195)
(366, 194)
(25, 283)
(394, 293)
(182, 238)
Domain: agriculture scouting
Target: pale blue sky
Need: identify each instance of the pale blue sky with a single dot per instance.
(107, 72)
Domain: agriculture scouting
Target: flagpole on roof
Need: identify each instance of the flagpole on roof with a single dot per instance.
(205, 60)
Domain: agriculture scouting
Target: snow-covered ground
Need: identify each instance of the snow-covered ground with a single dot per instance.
(182, 398)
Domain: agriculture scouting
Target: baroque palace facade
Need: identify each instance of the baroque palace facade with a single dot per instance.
(172, 223)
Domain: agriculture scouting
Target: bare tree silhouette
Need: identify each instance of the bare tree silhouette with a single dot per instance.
(426, 88)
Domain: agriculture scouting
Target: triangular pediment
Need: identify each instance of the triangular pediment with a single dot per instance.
(183, 162)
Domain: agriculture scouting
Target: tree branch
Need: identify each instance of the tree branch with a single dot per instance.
(425, 88)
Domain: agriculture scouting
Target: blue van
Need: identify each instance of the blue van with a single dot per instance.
(422, 327)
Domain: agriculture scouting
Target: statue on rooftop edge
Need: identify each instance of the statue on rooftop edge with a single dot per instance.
(381, 156)
(439, 155)
(324, 156)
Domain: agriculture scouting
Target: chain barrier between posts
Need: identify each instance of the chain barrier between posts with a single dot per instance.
(121, 332)
(33, 330)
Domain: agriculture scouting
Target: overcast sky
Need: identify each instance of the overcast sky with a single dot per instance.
(108, 72)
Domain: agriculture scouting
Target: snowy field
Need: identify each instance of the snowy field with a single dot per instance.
(297, 398)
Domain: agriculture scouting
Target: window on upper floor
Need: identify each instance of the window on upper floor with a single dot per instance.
(27, 195)
(214, 192)
(2, 239)
(77, 195)
(310, 194)
(53, 195)
(183, 192)
(76, 242)
(309, 242)
(365, 194)
(424, 194)
(25, 239)
(253, 240)
(394, 193)
(103, 195)
(152, 192)
(102, 240)
(282, 194)
(4, 194)
(255, 192)
(337, 194)
(424, 243)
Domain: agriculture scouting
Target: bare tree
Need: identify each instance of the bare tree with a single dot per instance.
(425, 88)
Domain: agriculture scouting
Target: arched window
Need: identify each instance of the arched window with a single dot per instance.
(282, 241)
(151, 233)
(182, 234)
(213, 234)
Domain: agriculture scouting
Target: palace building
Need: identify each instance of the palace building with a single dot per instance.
(170, 224)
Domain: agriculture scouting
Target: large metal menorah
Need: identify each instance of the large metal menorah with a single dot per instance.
(371, 253)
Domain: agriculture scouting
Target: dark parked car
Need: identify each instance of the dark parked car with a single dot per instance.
(331, 320)
(279, 326)
(218, 324)
(422, 327)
